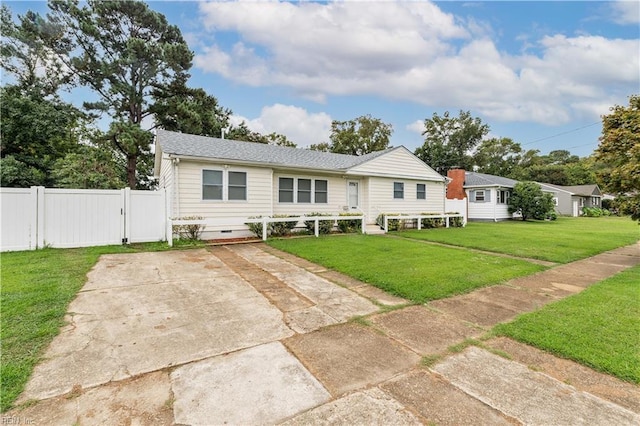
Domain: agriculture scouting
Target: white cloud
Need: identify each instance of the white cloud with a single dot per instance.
(413, 51)
(416, 127)
(625, 12)
(296, 123)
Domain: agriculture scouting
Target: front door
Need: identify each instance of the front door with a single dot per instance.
(352, 193)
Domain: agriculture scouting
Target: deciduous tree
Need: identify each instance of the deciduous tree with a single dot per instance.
(449, 140)
(619, 150)
(359, 136)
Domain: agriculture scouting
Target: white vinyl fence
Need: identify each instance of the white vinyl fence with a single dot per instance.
(37, 217)
(456, 205)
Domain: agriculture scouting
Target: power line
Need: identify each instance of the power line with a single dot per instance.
(563, 133)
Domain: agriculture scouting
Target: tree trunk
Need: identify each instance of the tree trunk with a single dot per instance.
(131, 170)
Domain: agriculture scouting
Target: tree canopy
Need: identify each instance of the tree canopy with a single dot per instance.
(619, 149)
(362, 135)
(449, 140)
(125, 53)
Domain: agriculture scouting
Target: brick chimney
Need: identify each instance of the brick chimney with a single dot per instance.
(455, 188)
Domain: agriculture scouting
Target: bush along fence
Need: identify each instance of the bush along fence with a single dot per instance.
(314, 223)
(399, 222)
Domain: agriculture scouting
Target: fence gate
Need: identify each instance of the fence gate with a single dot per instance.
(37, 217)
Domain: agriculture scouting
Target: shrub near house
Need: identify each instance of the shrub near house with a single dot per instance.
(528, 200)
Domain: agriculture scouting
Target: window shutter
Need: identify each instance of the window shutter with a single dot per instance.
(487, 195)
(473, 196)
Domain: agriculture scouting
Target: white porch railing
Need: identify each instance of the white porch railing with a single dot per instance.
(419, 218)
(265, 221)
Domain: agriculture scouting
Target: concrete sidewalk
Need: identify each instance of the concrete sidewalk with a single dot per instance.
(246, 334)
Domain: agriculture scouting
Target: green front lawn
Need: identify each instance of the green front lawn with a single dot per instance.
(406, 268)
(563, 240)
(599, 327)
(37, 287)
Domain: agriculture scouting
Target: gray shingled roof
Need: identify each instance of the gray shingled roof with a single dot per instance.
(182, 144)
(582, 190)
(482, 179)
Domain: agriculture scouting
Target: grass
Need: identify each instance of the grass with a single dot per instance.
(410, 269)
(564, 240)
(37, 287)
(599, 327)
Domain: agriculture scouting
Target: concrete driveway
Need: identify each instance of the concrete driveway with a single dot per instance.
(245, 334)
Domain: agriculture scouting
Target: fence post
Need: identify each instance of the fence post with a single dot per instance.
(419, 223)
(316, 225)
(169, 232)
(40, 216)
(447, 221)
(264, 229)
(362, 230)
(386, 224)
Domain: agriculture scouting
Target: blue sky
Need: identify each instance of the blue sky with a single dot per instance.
(540, 73)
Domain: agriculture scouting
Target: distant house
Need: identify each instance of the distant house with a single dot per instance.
(488, 195)
(227, 181)
(570, 200)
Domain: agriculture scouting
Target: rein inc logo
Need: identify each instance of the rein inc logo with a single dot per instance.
(16, 420)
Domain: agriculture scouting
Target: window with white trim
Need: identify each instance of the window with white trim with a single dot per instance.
(320, 194)
(285, 190)
(421, 191)
(595, 201)
(480, 195)
(212, 185)
(304, 190)
(398, 190)
(237, 187)
(223, 185)
(503, 196)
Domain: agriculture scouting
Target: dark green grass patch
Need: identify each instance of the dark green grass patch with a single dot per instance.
(564, 240)
(410, 269)
(599, 327)
(36, 288)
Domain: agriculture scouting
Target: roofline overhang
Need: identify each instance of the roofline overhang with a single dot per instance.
(280, 166)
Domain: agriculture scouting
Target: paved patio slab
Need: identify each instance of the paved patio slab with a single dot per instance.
(370, 407)
(350, 357)
(439, 402)
(114, 333)
(145, 400)
(423, 330)
(530, 397)
(583, 378)
(260, 385)
(339, 303)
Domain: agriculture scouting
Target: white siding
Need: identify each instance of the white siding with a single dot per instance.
(382, 201)
(258, 203)
(166, 181)
(488, 210)
(336, 195)
(397, 163)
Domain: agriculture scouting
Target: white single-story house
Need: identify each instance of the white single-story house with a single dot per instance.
(570, 200)
(488, 195)
(226, 181)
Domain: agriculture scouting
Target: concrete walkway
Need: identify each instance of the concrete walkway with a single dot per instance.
(246, 334)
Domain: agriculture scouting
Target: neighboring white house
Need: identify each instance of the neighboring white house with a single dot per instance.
(488, 195)
(227, 181)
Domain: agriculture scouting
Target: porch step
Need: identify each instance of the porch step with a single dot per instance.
(373, 229)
